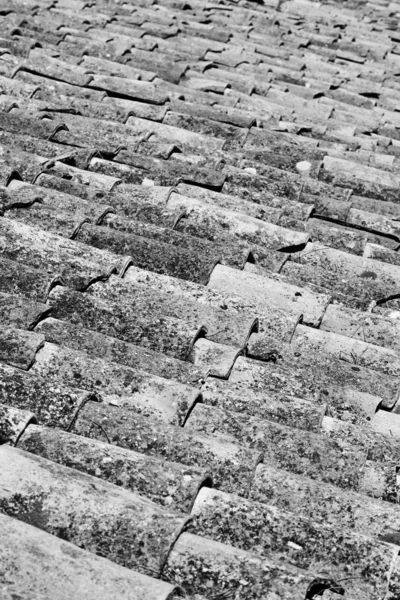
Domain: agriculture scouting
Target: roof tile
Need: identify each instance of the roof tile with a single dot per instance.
(73, 571)
(199, 265)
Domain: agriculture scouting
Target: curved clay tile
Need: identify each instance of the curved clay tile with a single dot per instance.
(14, 422)
(279, 408)
(153, 329)
(147, 254)
(264, 291)
(287, 371)
(139, 391)
(56, 255)
(64, 570)
(76, 506)
(54, 405)
(76, 337)
(230, 464)
(20, 312)
(20, 279)
(169, 484)
(234, 570)
(18, 348)
(221, 516)
(199, 268)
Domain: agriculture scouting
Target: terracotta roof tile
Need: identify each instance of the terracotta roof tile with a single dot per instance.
(74, 571)
(199, 264)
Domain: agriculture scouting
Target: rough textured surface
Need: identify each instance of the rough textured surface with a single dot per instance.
(76, 264)
(42, 493)
(13, 422)
(54, 405)
(199, 565)
(65, 333)
(218, 358)
(334, 461)
(222, 326)
(138, 390)
(64, 569)
(19, 312)
(287, 410)
(20, 279)
(230, 465)
(294, 540)
(155, 331)
(199, 296)
(316, 377)
(18, 348)
(153, 256)
(169, 484)
(262, 290)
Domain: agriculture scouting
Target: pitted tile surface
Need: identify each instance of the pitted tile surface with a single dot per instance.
(199, 298)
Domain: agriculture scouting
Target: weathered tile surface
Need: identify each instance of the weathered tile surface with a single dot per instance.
(199, 299)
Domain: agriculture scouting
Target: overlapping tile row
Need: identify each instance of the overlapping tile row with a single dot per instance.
(199, 287)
